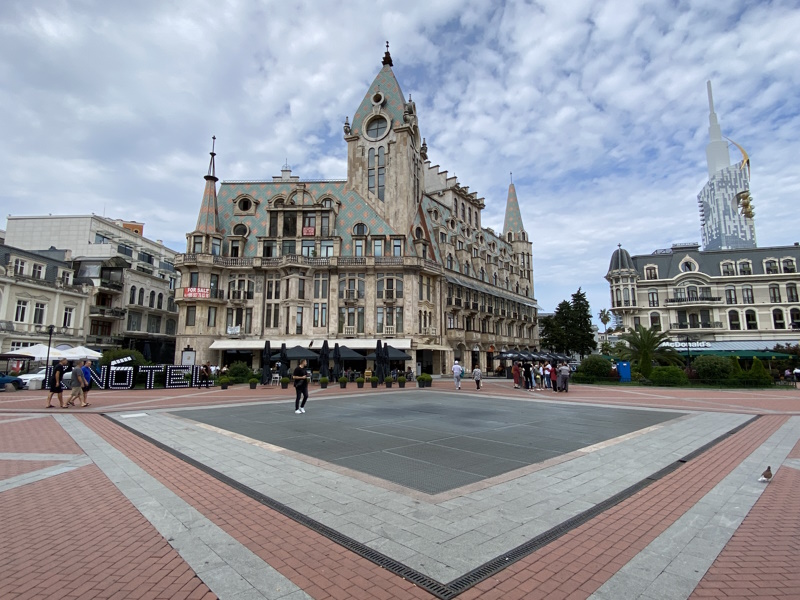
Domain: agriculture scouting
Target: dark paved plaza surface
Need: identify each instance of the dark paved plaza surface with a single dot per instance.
(432, 443)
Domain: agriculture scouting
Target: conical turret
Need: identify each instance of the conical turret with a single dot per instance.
(513, 220)
(207, 220)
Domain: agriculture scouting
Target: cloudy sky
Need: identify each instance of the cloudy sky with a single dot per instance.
(598, 108)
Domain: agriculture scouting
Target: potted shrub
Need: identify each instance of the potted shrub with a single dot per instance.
(427, 379)
(388, 381)
(360, 382)
(224, 382)
(323, 383)
(253, 383)
(284, 383)
(401, 381)
(373, 381)
(342, 382)
(421, 381)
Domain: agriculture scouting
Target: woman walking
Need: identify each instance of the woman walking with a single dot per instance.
(515, 374)
(476, 375)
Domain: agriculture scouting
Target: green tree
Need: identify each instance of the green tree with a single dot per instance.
(645, 345)
(581, 335)
(605, 318)
(606, 348)
(555, 328)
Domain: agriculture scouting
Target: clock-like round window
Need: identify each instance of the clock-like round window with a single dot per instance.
(687, 266)
(240, 229)
(377, 127)
(245, 204)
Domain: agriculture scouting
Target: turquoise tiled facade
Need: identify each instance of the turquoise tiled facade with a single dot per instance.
(441, 287)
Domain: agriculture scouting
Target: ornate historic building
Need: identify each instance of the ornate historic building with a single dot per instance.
(713, 296)
(396, 252)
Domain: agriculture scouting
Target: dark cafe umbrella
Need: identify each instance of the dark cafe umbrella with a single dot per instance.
(284, 358)
(266, 372)
(337, 362)
(323, 360)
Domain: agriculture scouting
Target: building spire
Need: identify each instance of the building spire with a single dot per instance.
(207, 220)
(717, 153)
(387, 58)
(513, 220)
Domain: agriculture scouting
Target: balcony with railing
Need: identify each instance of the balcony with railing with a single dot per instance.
(695, 300)
(349, 330)
(108, 312)
(429, 331)
(227, 261)
(114, 286)
(697, 325)
(388, 330)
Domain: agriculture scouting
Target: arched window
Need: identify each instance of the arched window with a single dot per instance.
(141, 297)
(494, 279)
(774, 293)
(788, 265)
(152, 303)
(132, 298)
(771, 267)
(747, 294)
(455, 207)
(506, 282)
(794, 317)
(777, 319)
(691, 292)
(733, 320)
(618, 294)
(371, 170)
(750, 320)
(160, 303)
(510, 236)
(627, 295)
(516, 289)
(466, 268)
(360, 229)
(730, 295)
(483, 274)
(655, 321)
(418, 233)
(450, 261)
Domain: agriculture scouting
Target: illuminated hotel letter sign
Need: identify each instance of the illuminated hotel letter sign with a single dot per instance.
(119, 376)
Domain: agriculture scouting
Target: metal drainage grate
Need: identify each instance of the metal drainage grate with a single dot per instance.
(445, 591)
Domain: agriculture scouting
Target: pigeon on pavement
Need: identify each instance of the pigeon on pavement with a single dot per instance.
(766, 476)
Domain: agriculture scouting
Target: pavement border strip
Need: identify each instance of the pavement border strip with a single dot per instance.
(41, 474)
(444, 591)
(714, 513)
(229, 569)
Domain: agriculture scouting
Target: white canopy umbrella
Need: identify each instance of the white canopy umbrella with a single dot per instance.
(40, 352)
(81, 352)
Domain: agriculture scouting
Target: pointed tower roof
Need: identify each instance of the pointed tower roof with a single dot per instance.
(717, 153)
(207, 220)
(391, 96)
(513, 220)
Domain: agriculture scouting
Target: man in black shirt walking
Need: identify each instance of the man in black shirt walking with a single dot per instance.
(55, 384)
(300, 387)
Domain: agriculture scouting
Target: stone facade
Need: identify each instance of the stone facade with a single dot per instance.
(394, 252)
(37, 291)
(722, 295)
(123, 271)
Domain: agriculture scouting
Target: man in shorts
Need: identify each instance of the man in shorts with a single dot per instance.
(87, 376)
(77, 384)
(55, 384)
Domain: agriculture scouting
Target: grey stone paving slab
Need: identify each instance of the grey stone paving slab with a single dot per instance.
(688, 548)
(225, 566)
(409, 529)
(42, 474)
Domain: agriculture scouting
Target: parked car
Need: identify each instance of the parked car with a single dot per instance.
(4, 379)
(39, 375)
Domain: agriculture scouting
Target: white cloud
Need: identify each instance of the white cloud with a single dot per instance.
(599, 109)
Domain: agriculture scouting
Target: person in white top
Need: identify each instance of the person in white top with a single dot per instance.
(457, 372)
(547, 369)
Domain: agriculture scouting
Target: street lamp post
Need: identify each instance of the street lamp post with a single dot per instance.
(50, 330)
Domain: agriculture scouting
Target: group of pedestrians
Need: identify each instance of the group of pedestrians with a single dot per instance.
(80, 384)
(541, 376)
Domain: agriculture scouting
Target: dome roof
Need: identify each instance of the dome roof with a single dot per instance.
(621, 261)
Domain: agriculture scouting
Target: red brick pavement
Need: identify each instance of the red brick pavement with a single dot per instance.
(12, 468)
(572, 567)
(760, 560)
(75, 535)
(42, 435)
(578, 563)
(786, 401)
(313, 562)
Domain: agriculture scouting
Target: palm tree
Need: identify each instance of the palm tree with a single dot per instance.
(605, 318)
(647, 345)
